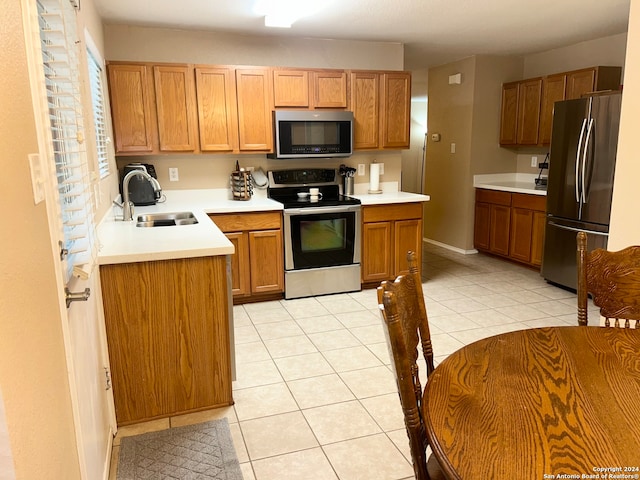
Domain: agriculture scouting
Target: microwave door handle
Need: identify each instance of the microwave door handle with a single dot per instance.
(577, 166)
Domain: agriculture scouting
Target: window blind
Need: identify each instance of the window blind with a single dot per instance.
(57, 26)
(97, 101)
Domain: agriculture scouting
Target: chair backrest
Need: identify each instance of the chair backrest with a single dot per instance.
(404, 316)
(612, 279)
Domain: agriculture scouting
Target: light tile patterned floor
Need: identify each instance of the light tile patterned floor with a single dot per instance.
(315, 396)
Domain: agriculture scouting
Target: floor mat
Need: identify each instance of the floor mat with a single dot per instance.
(203, 451)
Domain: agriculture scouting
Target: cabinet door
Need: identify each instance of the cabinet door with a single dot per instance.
(266, 261)
(537, 237)
(580, 82)
(176, 108)
(407, 236)
(329, 89)
(240, 273)
(395, 109)
(521, 230)
(482, 226)
(500, 223)
(254, 94)
(509, 114)
(529, 95)
(377, 255)
(553, 88)
(291, 88)
(217, 111)
(364, 103)
(131, 94)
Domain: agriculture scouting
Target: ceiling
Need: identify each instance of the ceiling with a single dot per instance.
(433, 31)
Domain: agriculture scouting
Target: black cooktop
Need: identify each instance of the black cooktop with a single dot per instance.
(291, 188)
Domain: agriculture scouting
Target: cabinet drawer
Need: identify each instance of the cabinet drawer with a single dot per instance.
(496, 197)
(398, 211)
(238, 222)
(529, 202)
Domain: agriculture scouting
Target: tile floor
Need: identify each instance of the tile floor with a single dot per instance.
(315, 397)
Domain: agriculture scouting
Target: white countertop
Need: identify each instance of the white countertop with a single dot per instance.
(123, 242)
(509, 182)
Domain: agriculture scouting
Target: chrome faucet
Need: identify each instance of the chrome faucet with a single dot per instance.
(127, 206)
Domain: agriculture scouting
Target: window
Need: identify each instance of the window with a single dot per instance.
(98, 104)
(66, 145)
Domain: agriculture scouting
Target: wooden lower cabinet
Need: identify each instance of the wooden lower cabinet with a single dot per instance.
(167, 326)
(388, 233)
(510, 225)
(258, 265)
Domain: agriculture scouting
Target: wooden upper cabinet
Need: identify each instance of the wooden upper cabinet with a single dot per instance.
(579, 83)
(529, 95)
(509, 114)
(176, 108)
(217, 111)
(329, 89)
(582, 82)
(290, 88)
(131, 95)
(309, 89)
(395, 109)
(364, 103)
(520, 100)
(553, 90)
(255, 103)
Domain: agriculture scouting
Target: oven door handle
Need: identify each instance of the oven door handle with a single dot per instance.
(312, 210)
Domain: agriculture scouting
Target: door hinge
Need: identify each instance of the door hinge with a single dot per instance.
(107, 375)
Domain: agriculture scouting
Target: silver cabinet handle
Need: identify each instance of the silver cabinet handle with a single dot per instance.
(574, 229)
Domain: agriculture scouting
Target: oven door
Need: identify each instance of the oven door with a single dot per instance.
(317, 237)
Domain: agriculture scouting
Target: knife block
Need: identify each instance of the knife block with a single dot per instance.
(241, 185)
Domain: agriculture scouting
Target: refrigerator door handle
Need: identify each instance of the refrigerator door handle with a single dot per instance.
(577, 169)
(584, 161)
(574, 229)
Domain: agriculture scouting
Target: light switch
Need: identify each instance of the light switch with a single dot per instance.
(453, 148)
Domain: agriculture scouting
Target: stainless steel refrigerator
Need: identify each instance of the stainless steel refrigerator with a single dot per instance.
(582, 161)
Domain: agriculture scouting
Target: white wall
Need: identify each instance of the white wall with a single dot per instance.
(150, 44)
(625, 222)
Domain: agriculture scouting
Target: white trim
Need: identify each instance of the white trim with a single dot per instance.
(449, 247)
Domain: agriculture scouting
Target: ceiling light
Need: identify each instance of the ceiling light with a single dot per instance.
(283, 13)
(278, 21)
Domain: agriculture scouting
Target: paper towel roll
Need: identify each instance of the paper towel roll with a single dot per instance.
(374, 177)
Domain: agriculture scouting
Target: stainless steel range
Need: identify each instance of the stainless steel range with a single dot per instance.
(322, 232)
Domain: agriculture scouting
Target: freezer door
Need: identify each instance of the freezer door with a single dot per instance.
(560, 247)
(568, 133)
(599, 160)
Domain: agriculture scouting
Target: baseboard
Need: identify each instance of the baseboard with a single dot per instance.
(450, 247)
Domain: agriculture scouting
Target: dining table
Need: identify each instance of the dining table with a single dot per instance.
(539, 403)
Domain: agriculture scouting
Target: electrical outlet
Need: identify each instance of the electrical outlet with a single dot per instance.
(534, 161)
(381, 168)
(173, 175)
(361, 169)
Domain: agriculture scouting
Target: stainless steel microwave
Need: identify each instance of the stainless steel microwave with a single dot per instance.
(312, 133)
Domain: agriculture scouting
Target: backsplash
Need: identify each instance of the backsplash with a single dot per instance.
(212, 171)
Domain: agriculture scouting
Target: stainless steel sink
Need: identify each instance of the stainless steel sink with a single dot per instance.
(166, 219)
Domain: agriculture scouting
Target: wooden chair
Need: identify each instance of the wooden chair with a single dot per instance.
(612, 279)
(406, 325)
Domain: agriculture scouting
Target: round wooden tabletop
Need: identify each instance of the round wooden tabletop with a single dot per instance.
(538, 404)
